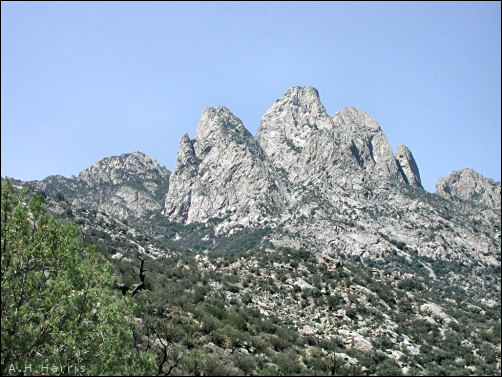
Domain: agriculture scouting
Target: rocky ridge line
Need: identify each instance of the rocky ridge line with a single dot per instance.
(469, 185)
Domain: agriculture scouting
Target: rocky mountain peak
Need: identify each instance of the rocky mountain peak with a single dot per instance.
(303, 96)
(298, 112)
(363, 140)
(186, 153)
(225, 170)
(119, 169)
(356, 120)
(409, 166)
(219, 124)
(289, 125)
(296, 131)
(227, 173)
(468, 184)
(129, 185)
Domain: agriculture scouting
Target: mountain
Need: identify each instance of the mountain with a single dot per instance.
(222, 171)
(330, 184)
(326, 183)
(296, 130)
(123, 186)
(314, 225)
(468, 184)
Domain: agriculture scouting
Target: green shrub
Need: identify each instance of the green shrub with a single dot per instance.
(58, 306)
(237, 321)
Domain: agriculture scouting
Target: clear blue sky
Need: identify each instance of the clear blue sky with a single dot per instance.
(83, 81)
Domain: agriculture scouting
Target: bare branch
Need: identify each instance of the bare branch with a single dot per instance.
(165, 351)
(142, 277)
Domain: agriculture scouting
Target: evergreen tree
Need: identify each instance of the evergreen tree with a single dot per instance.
(59, 312)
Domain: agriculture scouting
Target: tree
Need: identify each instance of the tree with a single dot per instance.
(141, 285)
(334, 364)
(59, 310)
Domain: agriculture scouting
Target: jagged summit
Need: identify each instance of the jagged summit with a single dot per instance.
(118, 169)
(470, 185)
(302, 164)
(303, 96)
(297, 114)
(186, 153)
(294, 121)
(355, 119)
(218, 125)
(408, 165)
(297, 143)
(361, 136)
(223, 171)
(329, 184)
(216, 119)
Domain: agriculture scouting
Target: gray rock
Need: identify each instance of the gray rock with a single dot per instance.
(297, 135)
(468, 184)
(330, 184)
(122, 186)
(290, 124)
(366, 142)
(409, 166)
(224, 172)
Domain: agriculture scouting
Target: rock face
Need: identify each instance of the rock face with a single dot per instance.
(128, 185)
(326, 183)
(225, 170)
(133, 167)
(289, 125)
(467, 184)
(409, 166)
(222, 172)
(329, 184)
(297, 134)
(367, 143)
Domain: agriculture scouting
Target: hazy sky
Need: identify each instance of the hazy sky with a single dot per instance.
(83, 81)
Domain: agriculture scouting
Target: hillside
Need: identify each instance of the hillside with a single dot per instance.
(311, 248)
